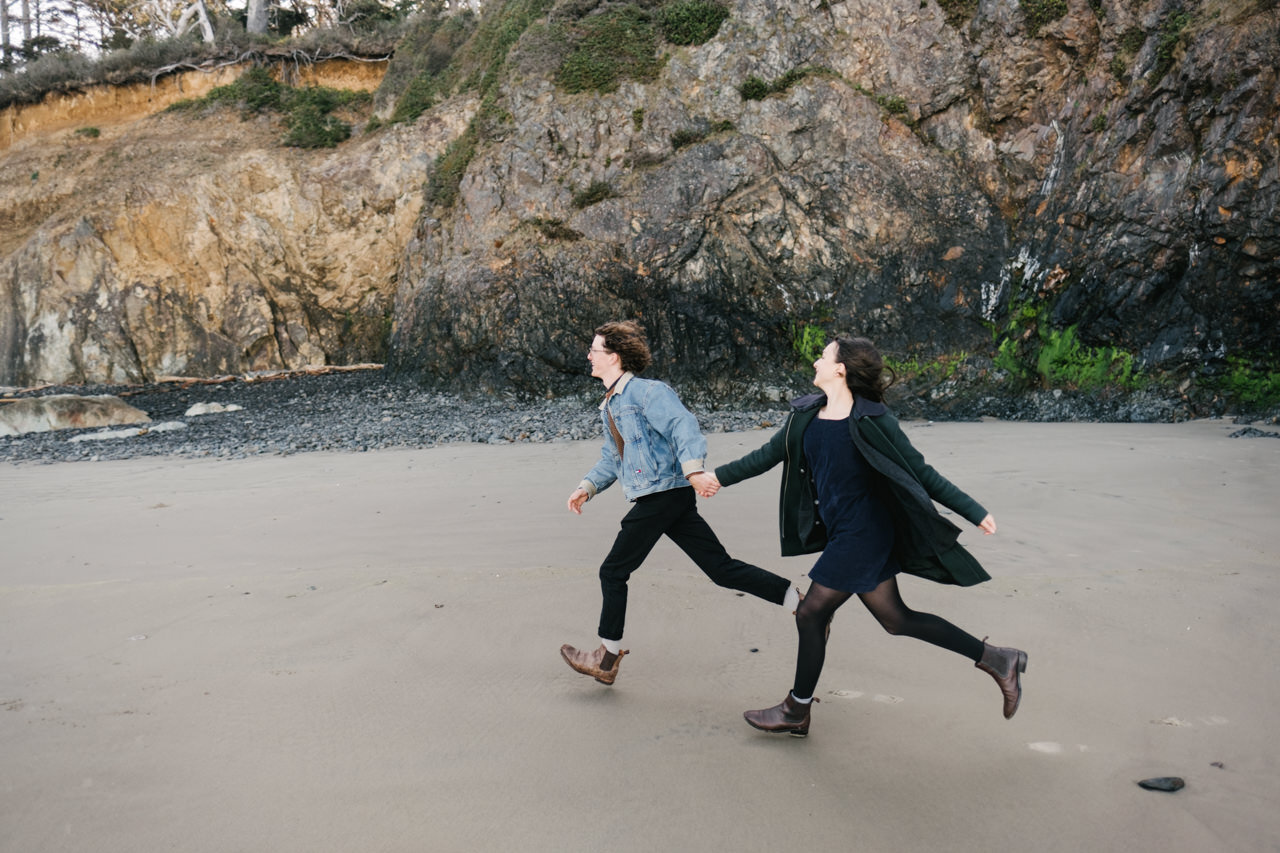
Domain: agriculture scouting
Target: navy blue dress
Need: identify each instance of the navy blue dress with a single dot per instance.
(859, 551)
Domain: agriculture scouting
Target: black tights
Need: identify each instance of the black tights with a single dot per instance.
(886, 604)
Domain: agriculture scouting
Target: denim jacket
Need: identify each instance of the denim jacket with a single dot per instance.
(662, 443)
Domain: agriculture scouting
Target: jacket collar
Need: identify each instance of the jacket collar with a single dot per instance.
(862, 407)
(809, 401)
(617, 387)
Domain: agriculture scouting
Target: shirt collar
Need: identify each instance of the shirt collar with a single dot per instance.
(617, 387)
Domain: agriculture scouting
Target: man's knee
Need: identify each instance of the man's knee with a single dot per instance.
(719, 572)
(723, 579)
(614, 576)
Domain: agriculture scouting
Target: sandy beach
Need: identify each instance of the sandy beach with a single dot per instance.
(358, 652)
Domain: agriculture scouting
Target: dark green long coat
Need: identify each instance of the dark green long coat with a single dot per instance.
(924, 542)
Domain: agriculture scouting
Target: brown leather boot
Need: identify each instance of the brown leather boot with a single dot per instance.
(1006, 667)
(791, 717)
(602, 664)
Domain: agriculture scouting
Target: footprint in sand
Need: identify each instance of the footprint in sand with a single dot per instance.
(882, 698)
(1177, 723)
(1048, 747)
(1172, 721)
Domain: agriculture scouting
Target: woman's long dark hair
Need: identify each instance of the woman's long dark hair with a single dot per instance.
(864, 369)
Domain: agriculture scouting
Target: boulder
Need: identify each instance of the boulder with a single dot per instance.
(67, 411)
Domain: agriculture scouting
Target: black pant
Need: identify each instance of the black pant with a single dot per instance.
(674, 513)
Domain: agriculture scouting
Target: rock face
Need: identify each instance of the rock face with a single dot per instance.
(1160, 201)
(200, 246)
(816, 205)
(934, 171)
(943, 175)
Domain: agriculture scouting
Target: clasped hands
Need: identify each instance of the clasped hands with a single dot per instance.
(704, 483)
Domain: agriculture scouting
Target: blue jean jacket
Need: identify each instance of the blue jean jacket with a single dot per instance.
(662, 444)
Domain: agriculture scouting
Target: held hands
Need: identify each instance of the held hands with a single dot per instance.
(988, 525)
(577, 499)
(704, 483)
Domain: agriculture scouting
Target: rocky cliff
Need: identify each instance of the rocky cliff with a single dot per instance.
(962, 181)
(137, 246)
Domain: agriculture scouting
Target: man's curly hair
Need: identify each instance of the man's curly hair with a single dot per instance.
(626, 338)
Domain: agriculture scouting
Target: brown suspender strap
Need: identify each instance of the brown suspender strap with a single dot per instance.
(613, 428)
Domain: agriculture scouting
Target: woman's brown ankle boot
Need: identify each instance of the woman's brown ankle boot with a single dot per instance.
(1006, 667)
(790, 716)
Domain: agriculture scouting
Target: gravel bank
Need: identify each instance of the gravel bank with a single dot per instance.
(360, 410)
(351, 411)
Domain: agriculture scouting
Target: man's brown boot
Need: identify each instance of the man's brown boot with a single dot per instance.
(602, 664)
(791, 717)
(1006, 667)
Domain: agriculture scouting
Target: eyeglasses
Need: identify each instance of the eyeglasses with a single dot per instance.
(593, 349)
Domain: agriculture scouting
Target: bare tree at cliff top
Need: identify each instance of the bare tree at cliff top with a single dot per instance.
(49, 25)
(86, 26)
(256, 18)
(177, 17)
(5, 48)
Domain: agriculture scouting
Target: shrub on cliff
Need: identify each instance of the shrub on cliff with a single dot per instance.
(756, 89)
(958, 12)
(613, 45)
(597, 191)
(691, 21)
(1251, 384)
(308, 110)
(417, 75)
(1035, 354)
(1040, 13)
(476, 65)
(442, 186)
(312, 123)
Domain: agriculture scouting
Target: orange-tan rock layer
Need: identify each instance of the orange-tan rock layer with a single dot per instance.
(105, 105)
